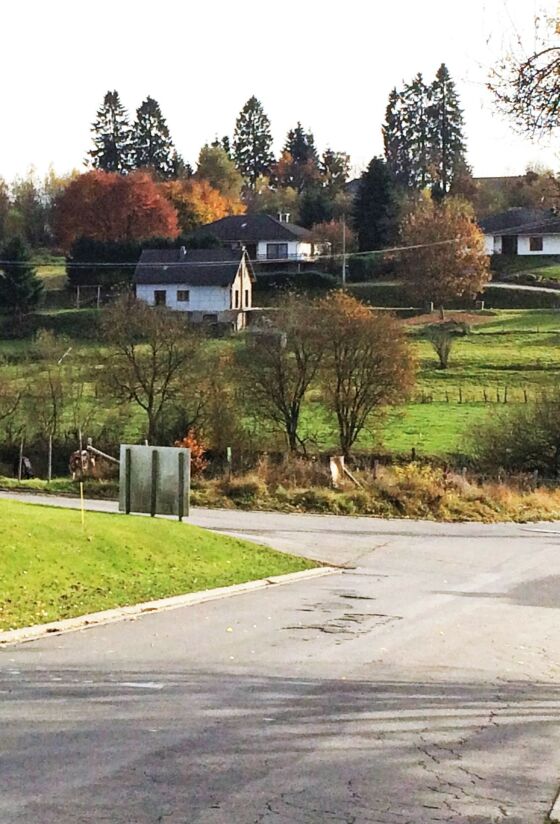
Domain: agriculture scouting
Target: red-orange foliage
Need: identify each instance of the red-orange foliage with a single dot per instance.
(197, 202)
(112, 207)
(197, 446)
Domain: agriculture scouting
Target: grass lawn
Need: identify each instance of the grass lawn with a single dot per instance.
(51, 568)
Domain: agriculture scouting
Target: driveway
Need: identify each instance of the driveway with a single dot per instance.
(421, 686)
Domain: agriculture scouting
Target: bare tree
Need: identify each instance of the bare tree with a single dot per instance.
(45, 399)
(277, 366)
(151, 353)
(367, 364)
(526, 82)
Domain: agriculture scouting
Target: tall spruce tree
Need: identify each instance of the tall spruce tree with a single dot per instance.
(416, 102)
(20, 288)
(375, 215)
(111, 136)
(301, 145)
(396, 140)
(152, 146)
(299, 164)
(445, 132)
(252, 142)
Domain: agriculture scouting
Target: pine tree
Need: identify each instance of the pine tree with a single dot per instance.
(335, 170)
(299, 164)
(20, 288)
(111, 136)
(416, 102)
(152, 146)
(252, 142)
(445, 131)
(396, 140)
(301, 145)
(376, 208)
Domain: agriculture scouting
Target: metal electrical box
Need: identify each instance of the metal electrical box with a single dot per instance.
(155, 480)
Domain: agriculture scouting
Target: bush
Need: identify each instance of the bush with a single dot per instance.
(521, 438)
(294, 281)
(369, 267)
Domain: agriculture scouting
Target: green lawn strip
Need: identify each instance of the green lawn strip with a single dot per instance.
(51, 568)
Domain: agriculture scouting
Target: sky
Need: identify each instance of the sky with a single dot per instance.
(330, 65)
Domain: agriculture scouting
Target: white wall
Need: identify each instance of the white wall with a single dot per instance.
(493, 244)
(202, 298)
(297, 250)
(241, 284)
(551, 245)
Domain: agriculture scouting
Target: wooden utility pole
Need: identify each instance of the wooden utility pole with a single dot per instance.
(344, 251)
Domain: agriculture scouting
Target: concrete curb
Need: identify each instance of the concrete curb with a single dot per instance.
(110, 616)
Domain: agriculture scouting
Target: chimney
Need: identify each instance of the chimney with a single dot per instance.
(284, 217)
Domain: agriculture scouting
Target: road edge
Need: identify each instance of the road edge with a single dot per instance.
(12, 637)
(554, 814)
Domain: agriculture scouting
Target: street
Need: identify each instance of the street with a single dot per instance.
(420, 684)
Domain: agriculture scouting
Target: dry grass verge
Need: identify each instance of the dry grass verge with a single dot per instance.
(410, 491)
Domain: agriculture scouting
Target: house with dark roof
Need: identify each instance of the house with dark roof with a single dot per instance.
(210, 285)
(522, 231)
(266, 238)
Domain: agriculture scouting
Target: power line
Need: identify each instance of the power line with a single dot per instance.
(167, 265)
(194, 263)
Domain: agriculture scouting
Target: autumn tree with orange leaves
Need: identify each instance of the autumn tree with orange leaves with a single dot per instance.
(197, 203)
(446, 258)
(110, 207)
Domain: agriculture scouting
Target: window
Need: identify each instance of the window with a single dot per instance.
(276, 250)
(183, 296)
(160, 297)
(535, 244)
(246, 298)
(236, 305)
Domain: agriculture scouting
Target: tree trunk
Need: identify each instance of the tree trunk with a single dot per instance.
(49, 470)
(441, 313)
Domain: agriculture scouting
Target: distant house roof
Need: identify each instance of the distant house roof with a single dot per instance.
(194, 267)
(255, 228)
(522, 221)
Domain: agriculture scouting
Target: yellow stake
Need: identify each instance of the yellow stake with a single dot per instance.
(82, 504)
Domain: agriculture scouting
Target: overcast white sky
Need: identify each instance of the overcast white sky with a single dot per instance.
(329, 64)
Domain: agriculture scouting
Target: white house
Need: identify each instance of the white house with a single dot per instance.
(211, 285)
(266, 238)
(522, 231)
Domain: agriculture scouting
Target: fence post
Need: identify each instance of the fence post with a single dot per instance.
(153, 498)
(127, 480)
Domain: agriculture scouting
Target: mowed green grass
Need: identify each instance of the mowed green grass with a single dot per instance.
(52, 568)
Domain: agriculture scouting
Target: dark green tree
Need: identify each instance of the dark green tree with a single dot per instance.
(316, 206)
(20, 288)
(376, 210)
(335, 170)
(112, 144)
(396, 140)
(301, 145)
(445, 132)
(252, 142)
(152, 146)
(417, 137)
(223, 143)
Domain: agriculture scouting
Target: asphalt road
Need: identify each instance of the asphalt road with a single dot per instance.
(420, 686)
